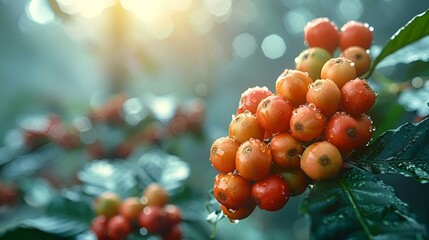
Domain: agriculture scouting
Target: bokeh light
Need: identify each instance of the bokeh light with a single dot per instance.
(273, 46)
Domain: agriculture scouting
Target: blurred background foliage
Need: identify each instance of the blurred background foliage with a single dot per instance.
(63, 56)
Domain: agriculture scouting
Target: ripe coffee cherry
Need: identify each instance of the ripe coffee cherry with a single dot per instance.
(360, 57)
(107, 204)
(250, 99)
(286, 150)
(154, 219)
(342, 131)
(241, 213)
(297, 181)
(222, 154)
(99, 227)
(307, 123)
(253, 160)
(321, 161)
(326, 95)
(357, 97)
(245, 126)
(118, 227)
(231, 190)
(174, 233)
(365, 130)
(311, 61)
(130, 208)
(271, 193)
(293, 85)
(274, 113)
(355, 33)
(155, 195)
(321, 32)
(174, 213)
(340, 70)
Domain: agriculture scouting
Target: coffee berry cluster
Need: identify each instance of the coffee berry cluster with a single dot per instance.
(280, 142)
(149, 215)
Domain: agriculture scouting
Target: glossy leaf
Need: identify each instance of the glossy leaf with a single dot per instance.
(358, 205)
(68, 215)
(156, 165)
(414, 30)
(108, 175)
(28, 164)
(404, 150)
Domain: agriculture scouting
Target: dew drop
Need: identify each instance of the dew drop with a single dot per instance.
(318, 116)
(232, 211)
(234, 221)
(312, 106)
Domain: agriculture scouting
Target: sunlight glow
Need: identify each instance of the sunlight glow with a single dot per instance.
(40, 11)
(88, 9)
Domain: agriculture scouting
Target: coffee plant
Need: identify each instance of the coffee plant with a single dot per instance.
(331, 137)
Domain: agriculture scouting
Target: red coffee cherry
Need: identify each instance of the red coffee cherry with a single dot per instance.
(222, 154)
(321, 161)
(286, 150)
(174, 233)
(253, 160)
(174, 213)
(155, 195)
(245, 126)
(118, 227)
(340, 70)
(293, 85)
(357, 97)
(365, 130)
(154, 219)
(231, 190)
(99, 227)
(360, 57)
(274, 113)
(321, 32)
(325, 94)
(250, 99)
(342, 131)
(130, 208)
(307, 123)
(296, 179)
(241, 213)
(355, 33)
(271, 193)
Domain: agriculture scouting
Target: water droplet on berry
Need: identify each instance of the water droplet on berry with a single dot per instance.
(318, 116)
(253, 100)
(312, 106)
(234, 221)
(232, 211)
(359, 91)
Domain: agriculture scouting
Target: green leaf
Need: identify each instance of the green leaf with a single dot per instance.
(108, 175)
(358, 205)
(414, 30)
(68, 215)
(404, 150)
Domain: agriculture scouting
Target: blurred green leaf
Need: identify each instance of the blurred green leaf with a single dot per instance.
(27, 164)
(404, 150)
(108, 175)
(155, 165)
(414, 30)
(67, 215)
(358, 205)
